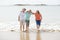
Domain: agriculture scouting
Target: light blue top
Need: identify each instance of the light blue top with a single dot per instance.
(27, 15)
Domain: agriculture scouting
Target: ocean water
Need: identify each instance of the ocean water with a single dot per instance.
(9, 16)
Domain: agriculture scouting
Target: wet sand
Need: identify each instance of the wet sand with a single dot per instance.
(29, 35)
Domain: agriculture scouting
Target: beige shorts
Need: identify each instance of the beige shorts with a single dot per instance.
(22, 22)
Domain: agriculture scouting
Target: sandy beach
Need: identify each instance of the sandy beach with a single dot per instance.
(8, 35)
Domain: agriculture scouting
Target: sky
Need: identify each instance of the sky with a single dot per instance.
(11, 2)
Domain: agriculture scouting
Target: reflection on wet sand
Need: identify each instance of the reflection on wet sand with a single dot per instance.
(25, 36)
(22, 36)
(38, 36)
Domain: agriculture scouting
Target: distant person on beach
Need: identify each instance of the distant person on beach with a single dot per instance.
(38, 18)
(21, 19)
(27, 19)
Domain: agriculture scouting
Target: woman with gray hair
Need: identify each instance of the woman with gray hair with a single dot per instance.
(21, 19)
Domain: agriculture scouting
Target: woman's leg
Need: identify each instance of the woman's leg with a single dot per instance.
(38, 27)
(23, 25)
(27, 25)
(20, 25)
(38, 24)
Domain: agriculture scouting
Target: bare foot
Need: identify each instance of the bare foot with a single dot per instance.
(25, 31)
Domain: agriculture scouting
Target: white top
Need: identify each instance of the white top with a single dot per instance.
(22, 15)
